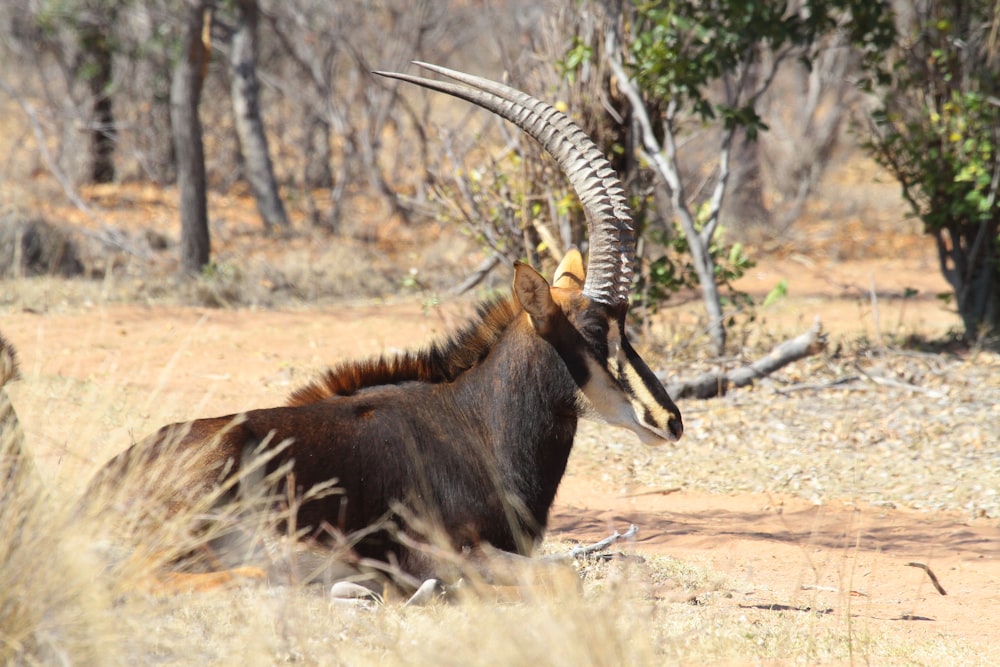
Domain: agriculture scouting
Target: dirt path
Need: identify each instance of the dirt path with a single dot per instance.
(785, 554)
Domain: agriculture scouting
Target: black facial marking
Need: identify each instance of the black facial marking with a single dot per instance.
(593, 326)
(572, 355)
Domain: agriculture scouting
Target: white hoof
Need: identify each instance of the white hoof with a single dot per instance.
(427, 593)
(350, 591)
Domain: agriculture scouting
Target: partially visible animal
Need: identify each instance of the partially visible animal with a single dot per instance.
(21, 489)
(13, 463)
(443, 455)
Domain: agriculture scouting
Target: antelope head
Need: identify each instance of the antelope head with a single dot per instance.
(582, 313)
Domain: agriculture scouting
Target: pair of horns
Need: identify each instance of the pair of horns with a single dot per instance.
(612, 233)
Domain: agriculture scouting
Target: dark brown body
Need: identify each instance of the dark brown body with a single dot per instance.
(468, 439)
(446, 449)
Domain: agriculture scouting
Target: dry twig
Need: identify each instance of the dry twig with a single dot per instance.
(831, 589)
(818, 386)
(654, 492)
(896, 384)
(596, 547)
(930, 573)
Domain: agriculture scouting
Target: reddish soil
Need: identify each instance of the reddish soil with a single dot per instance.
(836, 559)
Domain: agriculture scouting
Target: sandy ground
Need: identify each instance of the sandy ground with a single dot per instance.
(838, 560)
(96, 377)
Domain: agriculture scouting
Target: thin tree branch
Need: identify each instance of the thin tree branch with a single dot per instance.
(664, 161)
(719, 192)
(478, 274)
(105, 235)
(57, 173)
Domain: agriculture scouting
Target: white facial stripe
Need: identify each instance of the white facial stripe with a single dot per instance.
(608, 400)
(645, 400)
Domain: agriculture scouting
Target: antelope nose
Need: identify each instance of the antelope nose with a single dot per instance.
(675, 426)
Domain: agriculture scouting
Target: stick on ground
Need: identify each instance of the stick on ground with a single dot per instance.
(596, 547)
(709, 385)
(934, 579)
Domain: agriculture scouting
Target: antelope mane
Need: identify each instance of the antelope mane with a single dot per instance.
(443, 361)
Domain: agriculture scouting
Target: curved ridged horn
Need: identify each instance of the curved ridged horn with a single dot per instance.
(612, 233)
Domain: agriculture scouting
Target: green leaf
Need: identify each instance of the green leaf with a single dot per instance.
(778, 292)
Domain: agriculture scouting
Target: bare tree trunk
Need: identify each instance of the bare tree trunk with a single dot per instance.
(97, 50)
(185, 94)
(745, 203)
(317, 173)
(806, 134)
(969, 257)
(249, 124)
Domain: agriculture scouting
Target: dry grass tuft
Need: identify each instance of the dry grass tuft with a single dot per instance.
(52, 608)
(61, 604)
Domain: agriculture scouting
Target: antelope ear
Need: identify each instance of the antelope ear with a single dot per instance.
(532, 291)
(570, 272)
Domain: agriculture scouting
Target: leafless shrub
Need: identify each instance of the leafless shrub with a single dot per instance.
(805, 136)
(501, 187)
(344, 132)
(37, 247)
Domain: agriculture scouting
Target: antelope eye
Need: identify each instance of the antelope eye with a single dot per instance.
(594, 327)
(597, 340)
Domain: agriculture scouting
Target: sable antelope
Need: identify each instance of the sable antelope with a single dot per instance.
(473, 434)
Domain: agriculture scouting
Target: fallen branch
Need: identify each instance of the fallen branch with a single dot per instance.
(654, 492)
(830, 589)
(716, 383)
